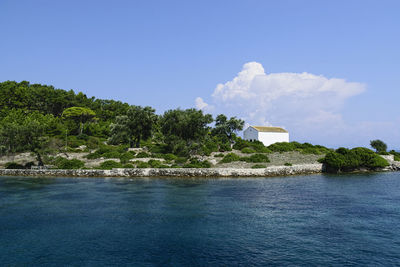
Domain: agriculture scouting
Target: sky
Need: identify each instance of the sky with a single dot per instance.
(327, 71)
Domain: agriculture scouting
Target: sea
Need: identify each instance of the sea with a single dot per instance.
(314, 220)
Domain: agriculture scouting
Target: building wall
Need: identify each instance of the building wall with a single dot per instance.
(269, 138)
(250, 134)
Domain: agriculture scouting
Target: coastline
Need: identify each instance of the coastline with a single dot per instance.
(272, 171)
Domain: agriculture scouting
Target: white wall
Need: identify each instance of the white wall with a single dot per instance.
(269, 138)
(250, 134)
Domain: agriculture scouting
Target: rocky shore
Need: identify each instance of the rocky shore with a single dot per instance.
(171, 172)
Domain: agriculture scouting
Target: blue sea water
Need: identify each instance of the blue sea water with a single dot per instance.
(317, 220)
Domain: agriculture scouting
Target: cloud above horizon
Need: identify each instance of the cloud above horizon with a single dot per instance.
(301, 102)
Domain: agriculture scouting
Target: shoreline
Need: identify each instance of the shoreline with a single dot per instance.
(272, 171)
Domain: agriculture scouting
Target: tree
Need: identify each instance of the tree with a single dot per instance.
(22, 131)
(184, 130)
(79, 114)
(136, 125)
(227, 128)
(378, 145)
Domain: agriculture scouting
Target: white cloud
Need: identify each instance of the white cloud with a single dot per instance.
(308, 105)
(200, 104)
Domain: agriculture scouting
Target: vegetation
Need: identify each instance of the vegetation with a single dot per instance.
(258, 166)
(110, 164)
(230, 157)
(346, 160)
(256, 158)
(47, 121)
(63, 163)
(133, 127)
(379, 146)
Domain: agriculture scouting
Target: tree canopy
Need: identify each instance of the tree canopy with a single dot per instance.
(378, 145)
(136, 125)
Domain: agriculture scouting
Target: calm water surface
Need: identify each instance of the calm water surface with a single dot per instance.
(319, 220)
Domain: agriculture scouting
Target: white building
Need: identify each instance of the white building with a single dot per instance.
(267, 135)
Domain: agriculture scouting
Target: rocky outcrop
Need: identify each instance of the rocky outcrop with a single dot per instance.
(171, 172)
(393, 165)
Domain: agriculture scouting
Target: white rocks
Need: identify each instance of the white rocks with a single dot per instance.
(173, 172)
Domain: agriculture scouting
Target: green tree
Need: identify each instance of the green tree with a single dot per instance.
(378, 145)
(136, 125)
(22, 131)
(227, 128)
(184, 130)
(79, 114)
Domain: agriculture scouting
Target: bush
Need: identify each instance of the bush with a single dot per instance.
(112, 155)
(156, 164)
(128, 166)
(195, 163)
(94, 155)
(67, 164)
(248, 150)
(258, 166)
(142, 155)
(288, 164)
(230, 158)
(110, 164)
(256, 158)
(225, 147)
(257, 146)
(13, 165)
(181, 160)
(170, 156)
(345, 160)
(220, 155)
(142, 165)
(125, 157)
(305, 148)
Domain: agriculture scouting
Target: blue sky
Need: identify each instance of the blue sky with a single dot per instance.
(166, 54)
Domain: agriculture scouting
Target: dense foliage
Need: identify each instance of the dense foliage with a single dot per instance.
(346, 160)
(378, 145)
(46, 121)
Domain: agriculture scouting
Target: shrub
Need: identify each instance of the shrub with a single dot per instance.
(230, 158)
(110, 164)
(181, 160)
(225, 147)
(256, 158)
(259, 166)
(288, 164)
(13, 165)
(63, 163)
(195, 163)
(112, 155)
(125, 157)
(344, 160)
(94, 155)
(248, 150)
(156, 164)
(257, 146)
(142, 155)
(220, 155)
(142, 164)
(170, 156)
(128, 166)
